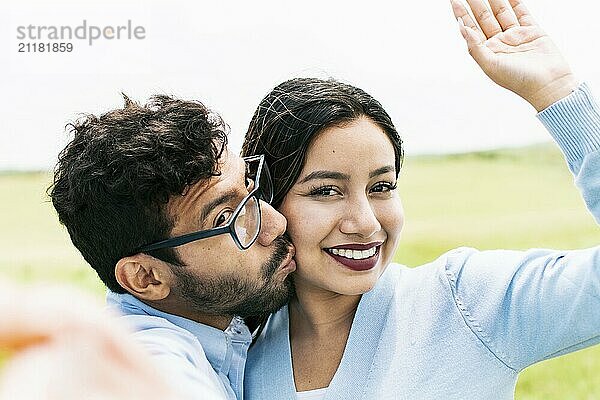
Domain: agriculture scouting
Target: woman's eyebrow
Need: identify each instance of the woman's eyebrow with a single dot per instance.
(382, 170)
(343, 177)
(325, 175)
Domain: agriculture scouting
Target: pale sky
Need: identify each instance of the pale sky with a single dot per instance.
(408, 55)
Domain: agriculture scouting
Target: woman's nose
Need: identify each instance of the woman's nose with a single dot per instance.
(360, 219)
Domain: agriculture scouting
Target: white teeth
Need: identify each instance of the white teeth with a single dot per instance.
(354, 254)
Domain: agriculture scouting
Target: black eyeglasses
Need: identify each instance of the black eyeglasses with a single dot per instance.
(244, 223)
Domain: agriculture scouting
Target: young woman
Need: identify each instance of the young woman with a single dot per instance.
(461, 327)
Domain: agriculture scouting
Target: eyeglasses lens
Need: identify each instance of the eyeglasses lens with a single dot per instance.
(247, 223)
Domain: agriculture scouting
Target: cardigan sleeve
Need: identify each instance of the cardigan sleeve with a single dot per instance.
(574, 122)
(528, 306)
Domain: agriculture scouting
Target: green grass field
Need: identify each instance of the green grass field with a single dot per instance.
(502, 199)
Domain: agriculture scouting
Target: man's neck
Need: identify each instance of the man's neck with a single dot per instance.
(216, 321)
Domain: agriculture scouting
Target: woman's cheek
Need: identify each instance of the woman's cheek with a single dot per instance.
(393, 217)
(304, 221)
(392, 222)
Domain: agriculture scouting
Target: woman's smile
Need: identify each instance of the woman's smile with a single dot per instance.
(356, 256)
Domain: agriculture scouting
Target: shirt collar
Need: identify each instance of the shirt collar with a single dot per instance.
(214, 341)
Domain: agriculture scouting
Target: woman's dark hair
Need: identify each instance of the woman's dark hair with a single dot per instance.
(289, 117)
(114, 179)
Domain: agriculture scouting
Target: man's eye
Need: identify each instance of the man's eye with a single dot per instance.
(223, 218)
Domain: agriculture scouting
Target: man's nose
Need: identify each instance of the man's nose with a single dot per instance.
(272, 225)
(360, 219)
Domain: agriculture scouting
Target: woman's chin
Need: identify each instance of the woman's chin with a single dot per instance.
(334, 277)
(359, 283)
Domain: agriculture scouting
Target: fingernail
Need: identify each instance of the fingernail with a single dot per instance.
(460, 21)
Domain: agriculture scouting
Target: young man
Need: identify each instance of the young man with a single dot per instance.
(181, 232)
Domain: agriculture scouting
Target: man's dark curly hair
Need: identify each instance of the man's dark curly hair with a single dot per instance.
(114, 179)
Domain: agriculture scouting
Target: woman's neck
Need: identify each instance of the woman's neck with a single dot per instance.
(320, 323)
(315, 311)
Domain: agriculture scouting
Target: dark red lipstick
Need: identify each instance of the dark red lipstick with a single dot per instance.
(356, 256)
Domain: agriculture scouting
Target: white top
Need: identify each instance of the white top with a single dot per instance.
(316, 394)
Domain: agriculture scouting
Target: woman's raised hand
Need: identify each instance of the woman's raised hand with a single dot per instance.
(514, 51)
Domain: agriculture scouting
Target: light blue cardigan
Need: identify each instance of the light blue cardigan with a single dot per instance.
(463, 326)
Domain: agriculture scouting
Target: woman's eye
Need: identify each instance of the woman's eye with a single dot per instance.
(324, 191)
(381, 187)
(223, 218)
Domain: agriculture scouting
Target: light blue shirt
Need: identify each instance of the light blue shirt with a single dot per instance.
(199, 361)
(464, 326)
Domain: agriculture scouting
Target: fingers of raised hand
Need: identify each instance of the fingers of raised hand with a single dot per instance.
(521, 12)
(493, 16)
(461, 13)
(503, 14)
(484, 17)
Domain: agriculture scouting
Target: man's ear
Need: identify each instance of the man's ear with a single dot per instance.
(145, 277)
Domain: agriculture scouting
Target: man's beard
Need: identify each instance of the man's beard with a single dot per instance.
(237, 294)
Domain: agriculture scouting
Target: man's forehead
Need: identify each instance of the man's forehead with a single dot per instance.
(231, 167)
